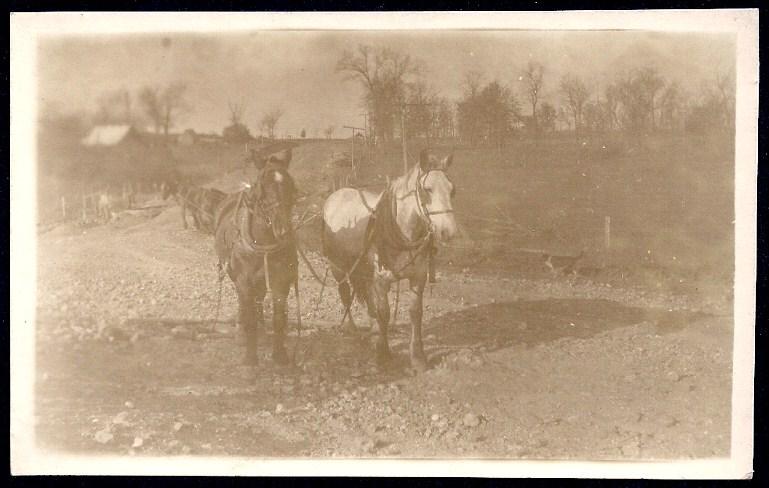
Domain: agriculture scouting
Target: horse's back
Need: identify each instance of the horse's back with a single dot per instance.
(345, 219)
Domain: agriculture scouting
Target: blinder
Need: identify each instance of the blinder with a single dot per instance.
(423, 196)
(255, 198)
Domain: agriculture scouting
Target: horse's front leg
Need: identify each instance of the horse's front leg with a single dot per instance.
(248, 323)
(416, 290)
(380, 289)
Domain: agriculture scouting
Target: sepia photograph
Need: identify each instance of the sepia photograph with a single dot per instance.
(510, 239)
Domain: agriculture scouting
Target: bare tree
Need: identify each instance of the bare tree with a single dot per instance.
(163, 106)
(149, 97)
(270, 120)
(329, 131)
(650, 82)
(488, 116)
(546, 116)
(671, 106)
(237, 109)
(575, 94)
(532, 78)
(383, 74)
(422, 113)
(472, 83)
(725, 95)
(612, 96)
(445, 118)
(237, 131)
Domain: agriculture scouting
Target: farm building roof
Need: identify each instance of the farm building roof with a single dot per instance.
(107, 135)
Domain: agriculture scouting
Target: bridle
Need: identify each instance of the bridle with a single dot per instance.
(424, 212)
(266, 210)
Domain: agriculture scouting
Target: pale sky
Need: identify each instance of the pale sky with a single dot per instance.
(294, 70)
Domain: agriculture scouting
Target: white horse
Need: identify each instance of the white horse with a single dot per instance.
(368, 255)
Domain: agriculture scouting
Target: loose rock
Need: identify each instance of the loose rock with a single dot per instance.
(103, 436)
(471, 420)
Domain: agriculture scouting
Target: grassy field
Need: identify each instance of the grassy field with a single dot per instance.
(669, 198)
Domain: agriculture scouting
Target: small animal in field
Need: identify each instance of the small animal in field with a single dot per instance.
(562, 265)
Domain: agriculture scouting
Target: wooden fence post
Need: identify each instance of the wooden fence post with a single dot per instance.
(607, 231)
(64, 208)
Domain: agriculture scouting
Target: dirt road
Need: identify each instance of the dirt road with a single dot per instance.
(129, 361)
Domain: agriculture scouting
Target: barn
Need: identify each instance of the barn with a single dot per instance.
(112, 136)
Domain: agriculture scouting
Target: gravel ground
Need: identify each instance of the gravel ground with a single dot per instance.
(133, 359)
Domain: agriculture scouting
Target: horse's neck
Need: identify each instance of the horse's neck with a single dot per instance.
(407, 214)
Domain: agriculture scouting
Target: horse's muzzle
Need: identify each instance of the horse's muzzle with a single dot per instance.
(444, 227)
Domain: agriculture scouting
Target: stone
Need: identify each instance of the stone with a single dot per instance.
(471, 420)
(121, 418)
(138, 442)
(103, 436)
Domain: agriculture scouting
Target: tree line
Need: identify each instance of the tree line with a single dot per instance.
(162, 107)
(397, 98)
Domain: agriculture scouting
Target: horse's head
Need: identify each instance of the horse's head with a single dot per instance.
(274, 195)
(435, 192)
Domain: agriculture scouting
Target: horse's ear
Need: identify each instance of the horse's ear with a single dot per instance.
(446, 163)
(424, 160)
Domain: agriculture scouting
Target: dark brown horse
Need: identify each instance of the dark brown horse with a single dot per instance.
(254, 242)
(374, 240)
(201, 203)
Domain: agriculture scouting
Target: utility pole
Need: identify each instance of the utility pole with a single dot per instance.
(367, 136)
(352, 151)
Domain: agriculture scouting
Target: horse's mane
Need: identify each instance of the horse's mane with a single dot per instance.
(401, 185)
